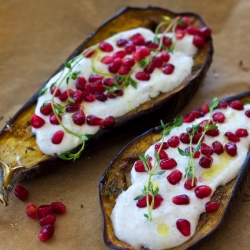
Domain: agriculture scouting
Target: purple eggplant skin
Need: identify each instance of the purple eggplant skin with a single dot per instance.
(118, 174)
(150, 112)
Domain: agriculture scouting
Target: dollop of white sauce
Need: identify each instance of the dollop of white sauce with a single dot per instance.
(128, 220)
(181, 58)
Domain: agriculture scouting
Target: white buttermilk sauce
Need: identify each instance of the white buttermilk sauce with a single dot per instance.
(129, 223)
(181, 58)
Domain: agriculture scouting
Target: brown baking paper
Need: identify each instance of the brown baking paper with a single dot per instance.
(35, 38)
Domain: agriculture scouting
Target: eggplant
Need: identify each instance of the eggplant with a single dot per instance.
(117, 178)
(17, 140)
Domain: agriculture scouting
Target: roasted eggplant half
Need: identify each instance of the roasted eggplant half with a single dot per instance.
(20, 156)
(117, 179)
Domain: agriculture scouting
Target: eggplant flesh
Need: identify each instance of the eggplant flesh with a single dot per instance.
(117, 178)
(20, 156)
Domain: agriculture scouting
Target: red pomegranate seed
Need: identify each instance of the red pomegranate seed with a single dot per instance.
(222, 105)
(58, 91)
(168, 69)
(206, 161)
(151, 45)
(106, 47)
(168, 164)
(213, 132)
(46, 109)
(188, 118)
(141, 53)
(37, 121)
(119, 54)
(231, 148)
(192, 30)
(89, 97)
(115, 65)
(107, 59)
(206, 150)
(157, 201)
(108, 122)
(98, 87)
(163, 145)
(31, 210)
(65, 94)
(143, 201)
(142, 76)
(238, 105)
(202, 191)
(78, 118)
(197, 137)
(46, 232)
(115, 94)
(72, 108)
(183, 23)
(44, 210)
(47, 219)
(149, 69)
(205, 122)
(89, 53)
(232, 137)
(93, 120)
(205, 108)
(163, 155)
(21, 193)
(204, 32)
(174, 141)
(217, 147)
(212, 206)
(247, 113)
(101, 97)
(188, 183)
(139, 166)
(77, 96)
(174, 177)
(124, 70)
(218, 117)
(80, 83)
(241, 132)
(121, 42)
(137, 39)
(183, 226)
(108, 82)
(184, 138)
(179, 34)
(157, 61)
(53, 120)
(57, 137)
(58, 207)
(182, 199)
(197, 113)
(196, 154)
(128, 62)
(167, 41)
(198, 41)
(165, 57)
(94, 78)
(130, 48)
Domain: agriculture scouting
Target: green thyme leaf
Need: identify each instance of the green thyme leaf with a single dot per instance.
(161, 172)
(132, 82)
(144, 62)
(138, 197)
(43, 91)
(70, 99)
(67, 65)
(171, 49)
(183, 153)
(182, 23)
(214, 104)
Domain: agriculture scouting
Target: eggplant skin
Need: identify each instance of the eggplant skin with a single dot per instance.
(117, 178)
(17, 137)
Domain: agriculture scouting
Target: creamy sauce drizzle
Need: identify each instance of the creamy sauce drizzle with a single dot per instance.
(161, 233)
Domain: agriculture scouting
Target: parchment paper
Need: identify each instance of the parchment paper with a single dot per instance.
(35, 38)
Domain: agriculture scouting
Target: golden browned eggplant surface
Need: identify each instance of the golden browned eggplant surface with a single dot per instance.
(36, 37)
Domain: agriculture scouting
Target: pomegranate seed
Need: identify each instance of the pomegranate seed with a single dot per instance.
(163, 145)
(241, 132)
(121, 42)
(119, 54)
(78, 118)
(231, 148)
(213, 132)
(72, 108)
(167, 41)
(222, 105)
(47, 219)
(185, 21)
(198, 41)
(37, 121)
(94, 78)
(124, 70)
(46, 232)
(174, 141)
(58, 91)
(107, 59)
(101, 97)
(149, 69)
(115, 94)
(157, 201)
(197, 137)
(89, 97)
(98, 87)
(151, 45)
(108, 82)
(188, 183)
(212, 206)
(163, 155)
(115, 65)
(205, 122)
(182, 199)
(165, 57)
(44, 210)
(77, 96)
(80, 83)
(205, 108)
(218, 117)
(142, 76)
(57, 137)
(93, 120)
(21, 193)
(232, 137)
(109, 122)
(89, 53)
(143, 201)
(58, 207)
(196, 154)
(137, 39)
(247, 113)
(53, 120)
(130, 48)
(204, 32)
(65, 94)
(46, 109)
(238, 105)
(106, 47)
(31, 210)
(128, 62)
(168, 69)
(206, 150)
(168, 164)
(197, 113)
(157, 61)
(184, 138)
(188, 118)
(202, 191)
(139, 166)
(141, 53)
(217, 147)
(192, 30)
(183, 226)
(179, 34)
(174, 177)
(206, 161)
